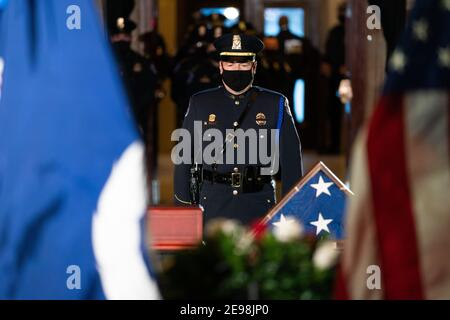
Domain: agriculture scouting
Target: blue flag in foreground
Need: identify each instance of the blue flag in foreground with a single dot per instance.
(72, 183)
(317, 201)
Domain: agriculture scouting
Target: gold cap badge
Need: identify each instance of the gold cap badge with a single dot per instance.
(260, 119)
(236, 42)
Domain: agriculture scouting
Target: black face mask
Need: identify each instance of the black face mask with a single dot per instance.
(237, 80)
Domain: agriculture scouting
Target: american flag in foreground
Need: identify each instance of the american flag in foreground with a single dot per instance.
(317, 201)
(399, 218)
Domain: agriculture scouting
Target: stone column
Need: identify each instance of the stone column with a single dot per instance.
(142, 15)
(366, 57)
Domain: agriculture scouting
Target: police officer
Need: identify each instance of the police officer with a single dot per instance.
(335, 70)
(140, 77)
(141, 82)
(239, 190)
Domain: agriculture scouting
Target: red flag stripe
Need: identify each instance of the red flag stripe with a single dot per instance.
(340, 291)
(393, 215)
(426, 136)
(361, 249)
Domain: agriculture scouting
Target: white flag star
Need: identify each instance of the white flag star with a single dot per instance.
(321, 224)
(444, 57)
(287, 229)
(283, 222)
(322, 187)
(398, 61)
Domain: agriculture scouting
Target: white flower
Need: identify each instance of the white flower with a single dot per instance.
(230, 227)
(244, 243)
(326, 255)
(287, 229)
(226, 226)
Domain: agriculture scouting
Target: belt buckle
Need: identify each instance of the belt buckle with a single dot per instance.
(236, 179)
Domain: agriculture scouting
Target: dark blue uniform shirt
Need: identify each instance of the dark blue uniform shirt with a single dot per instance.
(217, 108)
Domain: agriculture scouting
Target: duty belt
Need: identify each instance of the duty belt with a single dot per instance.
(248, 182)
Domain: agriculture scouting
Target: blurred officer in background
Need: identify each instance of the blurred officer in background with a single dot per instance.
(302, 61)
(197, 66)
(243, 27)
(335, 70)
(139, 75)
(141, 81)
(288, 42)
(233, 190)
(155, 53)
(274, 71)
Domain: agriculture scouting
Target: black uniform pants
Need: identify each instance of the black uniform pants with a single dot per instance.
(218, 200)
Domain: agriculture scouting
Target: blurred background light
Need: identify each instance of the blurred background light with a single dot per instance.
(228, 22)
(231, 13)
(296, 20)
(299, 100)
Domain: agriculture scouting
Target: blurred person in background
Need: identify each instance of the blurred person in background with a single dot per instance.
(335, 70)
(300, 60)
(157, 58)
(196, 68)
(140, 78)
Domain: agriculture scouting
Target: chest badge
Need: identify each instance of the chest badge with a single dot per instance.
(260, 119)
(212, 118)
